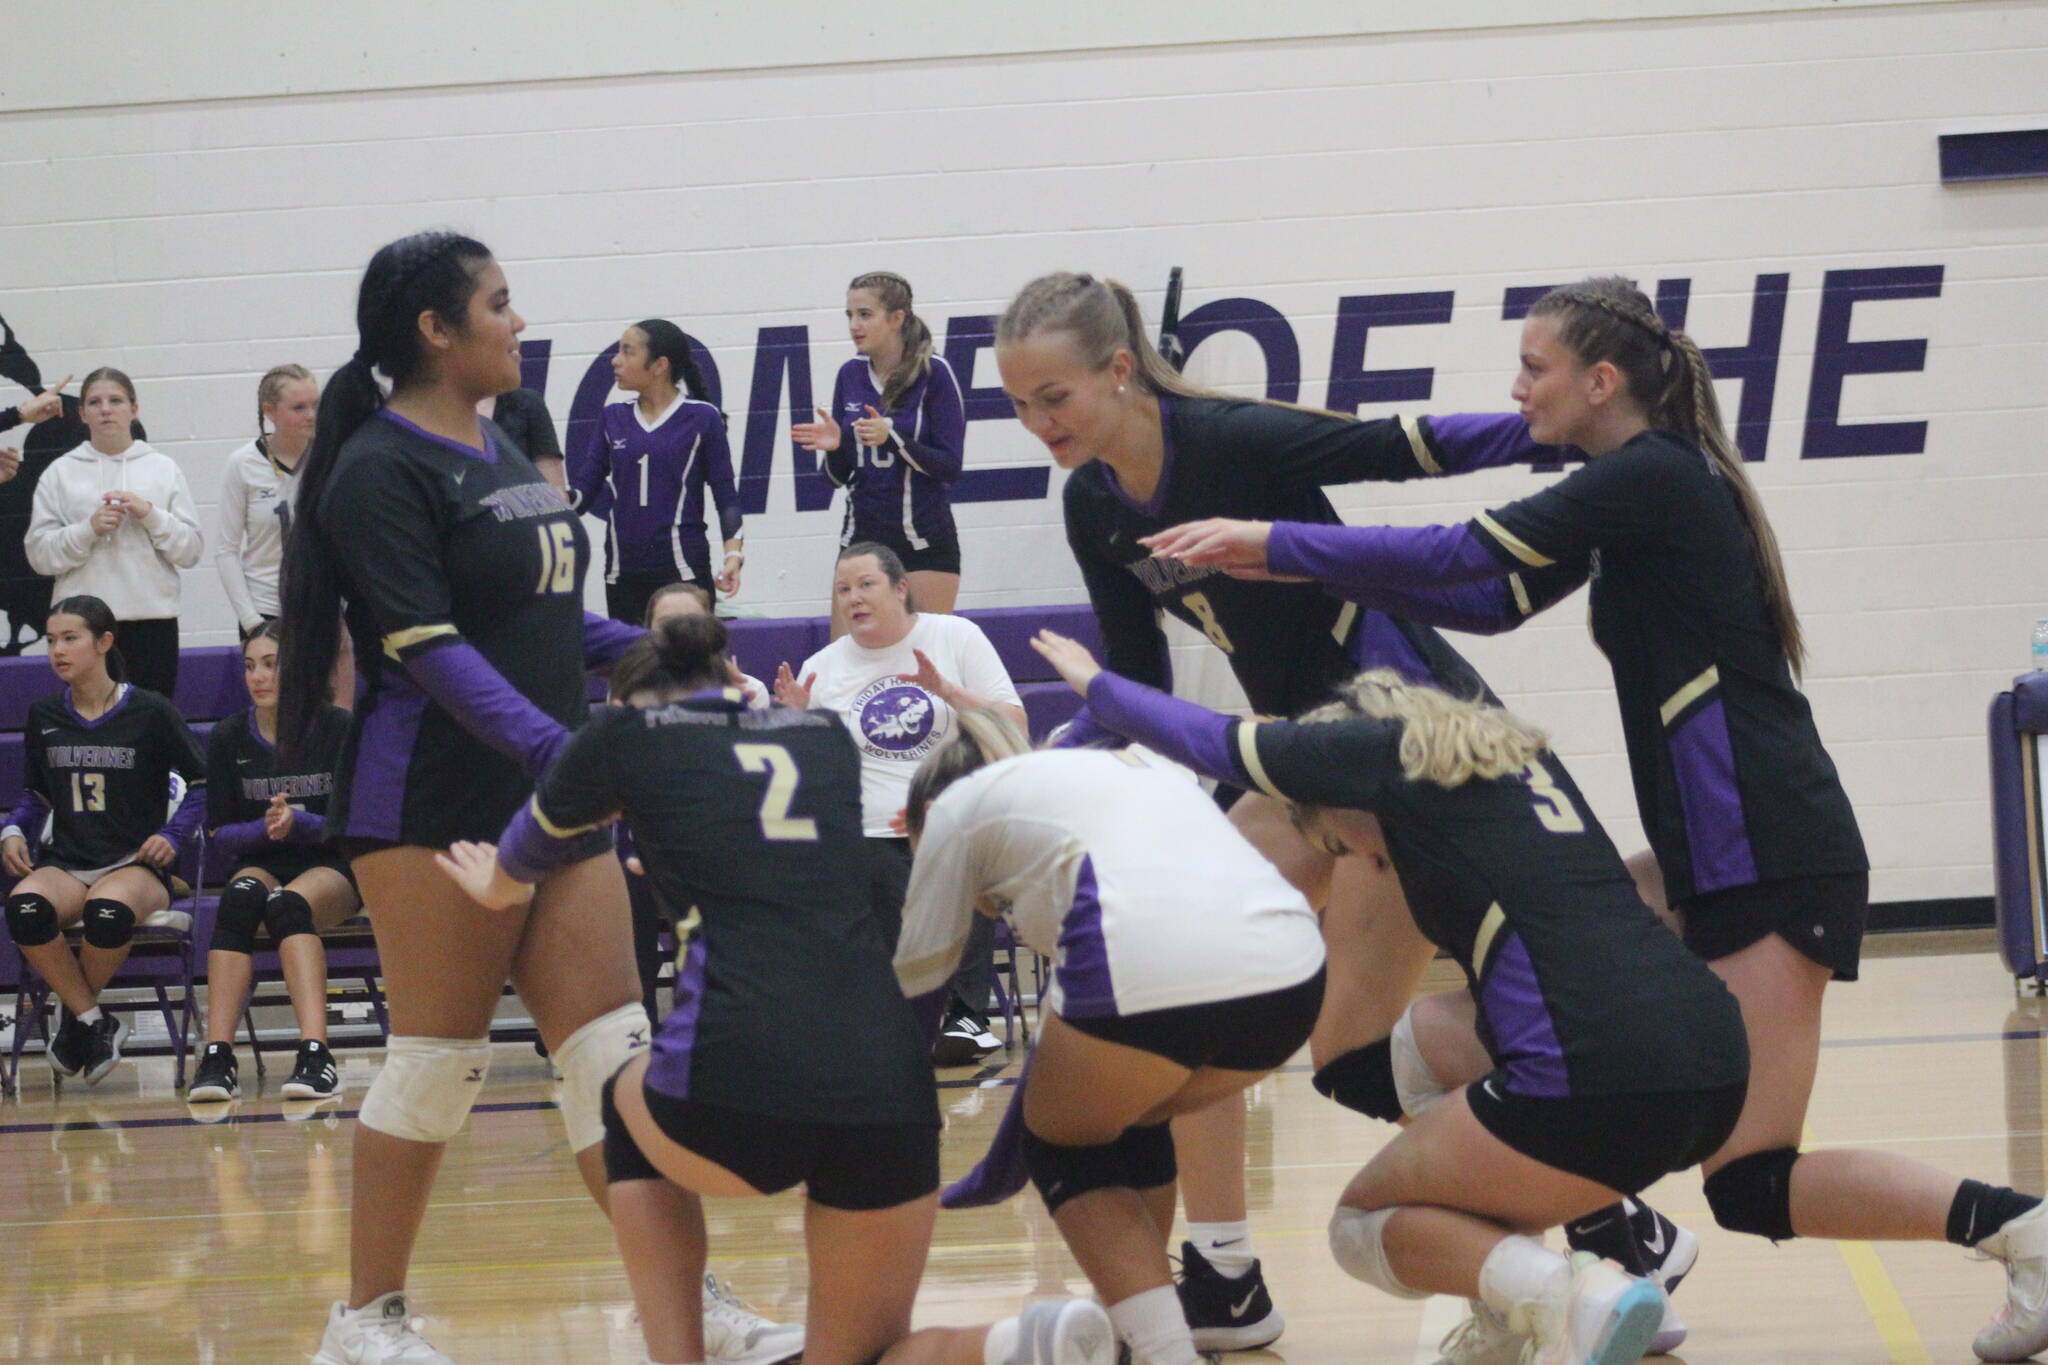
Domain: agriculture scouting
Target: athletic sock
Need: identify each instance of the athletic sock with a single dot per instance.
(1226, 1246)
(1153, 1326)
(91, 1016)
(1607, 1234)
(1980, 1210)
(1519, 1274)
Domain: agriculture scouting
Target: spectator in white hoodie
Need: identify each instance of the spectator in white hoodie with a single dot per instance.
(256, 494)
(115, 519)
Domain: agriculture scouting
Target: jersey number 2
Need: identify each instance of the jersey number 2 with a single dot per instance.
(88, 792)
(776, 821)
(557, 557)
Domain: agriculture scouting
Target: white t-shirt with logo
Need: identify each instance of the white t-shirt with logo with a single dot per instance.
(893, 721)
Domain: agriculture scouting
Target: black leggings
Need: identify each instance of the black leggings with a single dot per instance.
(150, 650)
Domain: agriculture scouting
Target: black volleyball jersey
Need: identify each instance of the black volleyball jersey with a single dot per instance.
(749, 823)
(1730, 774)
(463, 570)
(1290, 644)
(243, 775)
(107, 782)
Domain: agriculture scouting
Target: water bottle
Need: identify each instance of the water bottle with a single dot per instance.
(2041, 645)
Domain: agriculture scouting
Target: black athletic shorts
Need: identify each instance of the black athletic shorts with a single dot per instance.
(1823, 917)
(856, 1167)
(1625, 1142)
(940, 554)
(1250, 1033)
(287, 862)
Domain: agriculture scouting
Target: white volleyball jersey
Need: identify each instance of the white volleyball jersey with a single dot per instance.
(1117, 868)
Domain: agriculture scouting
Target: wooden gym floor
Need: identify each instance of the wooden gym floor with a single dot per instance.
(134, 1233)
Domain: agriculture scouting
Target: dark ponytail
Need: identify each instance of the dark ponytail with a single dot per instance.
(99, 619)
(682, 654)
(426, 272)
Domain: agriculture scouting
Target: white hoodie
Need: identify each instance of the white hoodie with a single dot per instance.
(134, 570)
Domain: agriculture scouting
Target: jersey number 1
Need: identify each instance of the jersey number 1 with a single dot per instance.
(557, 557)
(776, 821)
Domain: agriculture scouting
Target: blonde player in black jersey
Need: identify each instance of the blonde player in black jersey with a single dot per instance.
(1617, 1057)
(753, 819)
(1753, 832)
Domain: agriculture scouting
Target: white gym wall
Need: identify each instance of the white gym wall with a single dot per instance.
(190, 192)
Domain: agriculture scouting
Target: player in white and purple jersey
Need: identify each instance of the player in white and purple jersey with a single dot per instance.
(647, 470)
(904, 409)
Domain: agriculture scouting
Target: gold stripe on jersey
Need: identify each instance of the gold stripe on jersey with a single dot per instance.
(1345, 617)
(1418, 443)
(1482, 942)
(400, 640)
(1512, 543)
(553, 830)
(1690, 693)
(1521, 592)
(1248, 752)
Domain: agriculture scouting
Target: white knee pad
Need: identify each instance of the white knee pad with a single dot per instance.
(1355, 1240)
(426, 1087)
(1415, 1084)
(590, 1057)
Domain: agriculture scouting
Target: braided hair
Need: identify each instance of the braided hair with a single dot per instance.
(1608, 319)
(428, 272)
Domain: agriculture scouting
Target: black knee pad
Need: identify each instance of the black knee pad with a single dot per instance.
(108, 924)
(623, 1159)
(1139, 1159)
(31, 919)
(241, 910)
(1754, 1194)
(1363, 1079)
(287, 913)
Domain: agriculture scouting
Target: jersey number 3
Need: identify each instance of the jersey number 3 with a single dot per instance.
(776, 821)
(1553, 808)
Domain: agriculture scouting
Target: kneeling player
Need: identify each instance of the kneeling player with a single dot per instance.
(752, 818)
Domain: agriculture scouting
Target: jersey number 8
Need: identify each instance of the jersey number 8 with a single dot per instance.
(1198, 603)
(776, 821)
(557, 557)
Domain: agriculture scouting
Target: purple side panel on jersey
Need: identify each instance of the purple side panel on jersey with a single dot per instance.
(1085, 987)
(1181, 730)
(1703, 761)
(28, 814)
(463, 683)
(1001, 1172)
(489, 454)
(1465, 441)
(184, 821)
(674, 1045)
(1379, 643)
(1369, 557)
(377, 794)
(1519, 1018)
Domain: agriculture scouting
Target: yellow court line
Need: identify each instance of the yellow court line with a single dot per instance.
(1880, 1296)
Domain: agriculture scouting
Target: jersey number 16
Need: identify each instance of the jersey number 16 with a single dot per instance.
(557, 557)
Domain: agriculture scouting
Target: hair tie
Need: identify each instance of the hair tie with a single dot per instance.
(362, 358)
